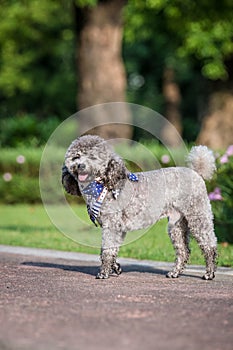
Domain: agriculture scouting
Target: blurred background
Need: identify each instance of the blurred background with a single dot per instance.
(60, 56)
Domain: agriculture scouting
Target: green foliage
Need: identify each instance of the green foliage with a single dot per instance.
(38, 51)
(20, 190)
(221, 195)
(84, 3)
(19, 175)
(148, 51)
(145, 156)
(203, 30)
(193, 38)
(37, 57)
(26, 130)
(27, 166)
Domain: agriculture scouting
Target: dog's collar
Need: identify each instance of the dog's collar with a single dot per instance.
(98, 191)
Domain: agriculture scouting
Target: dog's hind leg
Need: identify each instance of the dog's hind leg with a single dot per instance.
(179, 235)
(202, 230)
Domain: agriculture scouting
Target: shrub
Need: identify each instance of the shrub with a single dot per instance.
(20, 190)
(19, 176)
(26, 130)
(19, 180)
(221, 196)
(150, 155)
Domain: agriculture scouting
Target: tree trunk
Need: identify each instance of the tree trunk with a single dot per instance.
(217, 126)
(172, 96)
(101, 73)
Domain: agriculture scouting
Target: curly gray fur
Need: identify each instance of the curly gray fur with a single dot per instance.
(176, 193)
(201, 159)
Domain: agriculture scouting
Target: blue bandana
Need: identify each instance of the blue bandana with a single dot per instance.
(132, 177)
(94, 189)
(98, 191)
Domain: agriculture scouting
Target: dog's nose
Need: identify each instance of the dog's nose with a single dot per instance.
(81, 166)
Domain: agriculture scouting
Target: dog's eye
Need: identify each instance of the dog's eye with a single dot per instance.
(76, 157)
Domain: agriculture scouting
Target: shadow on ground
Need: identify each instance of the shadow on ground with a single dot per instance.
(93, 270)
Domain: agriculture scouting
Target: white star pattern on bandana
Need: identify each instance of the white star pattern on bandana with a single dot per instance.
(94, 189)
(132, 177)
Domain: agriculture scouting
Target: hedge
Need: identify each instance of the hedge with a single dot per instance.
(19, 181)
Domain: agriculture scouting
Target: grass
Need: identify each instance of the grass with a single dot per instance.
(30, 226)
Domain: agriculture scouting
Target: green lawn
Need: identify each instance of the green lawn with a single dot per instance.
(28, 225)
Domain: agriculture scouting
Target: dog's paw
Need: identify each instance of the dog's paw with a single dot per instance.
(116, 268)
(172, 274)
(102, 276)
(208, 276)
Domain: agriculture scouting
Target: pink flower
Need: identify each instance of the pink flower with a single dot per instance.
(217, 190)
(229, 151)
(20, 159)
(215, 195)
(165, 159)
(7, 177)
(224, 159)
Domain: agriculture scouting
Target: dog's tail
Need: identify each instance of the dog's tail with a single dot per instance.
(201, 159)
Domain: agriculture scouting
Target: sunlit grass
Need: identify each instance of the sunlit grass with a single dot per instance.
(30, 226)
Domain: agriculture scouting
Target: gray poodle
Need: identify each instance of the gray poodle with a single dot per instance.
(121, 201)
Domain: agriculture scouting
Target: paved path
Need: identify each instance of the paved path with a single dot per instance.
(51, 300)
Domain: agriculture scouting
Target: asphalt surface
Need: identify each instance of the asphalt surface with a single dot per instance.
(51, 300)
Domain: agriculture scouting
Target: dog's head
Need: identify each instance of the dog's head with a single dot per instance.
(88, 158)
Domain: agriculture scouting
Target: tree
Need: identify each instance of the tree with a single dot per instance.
(192, 40)
(172, 97)
(199, 33)
(217, 127)
(202, 29)
(101, 72)
(37, 58)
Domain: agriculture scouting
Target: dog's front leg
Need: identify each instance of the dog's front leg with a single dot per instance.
(111, 241)
(108, 260)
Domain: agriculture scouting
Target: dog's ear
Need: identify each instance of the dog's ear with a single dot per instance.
(115, 174)
(69, 182)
